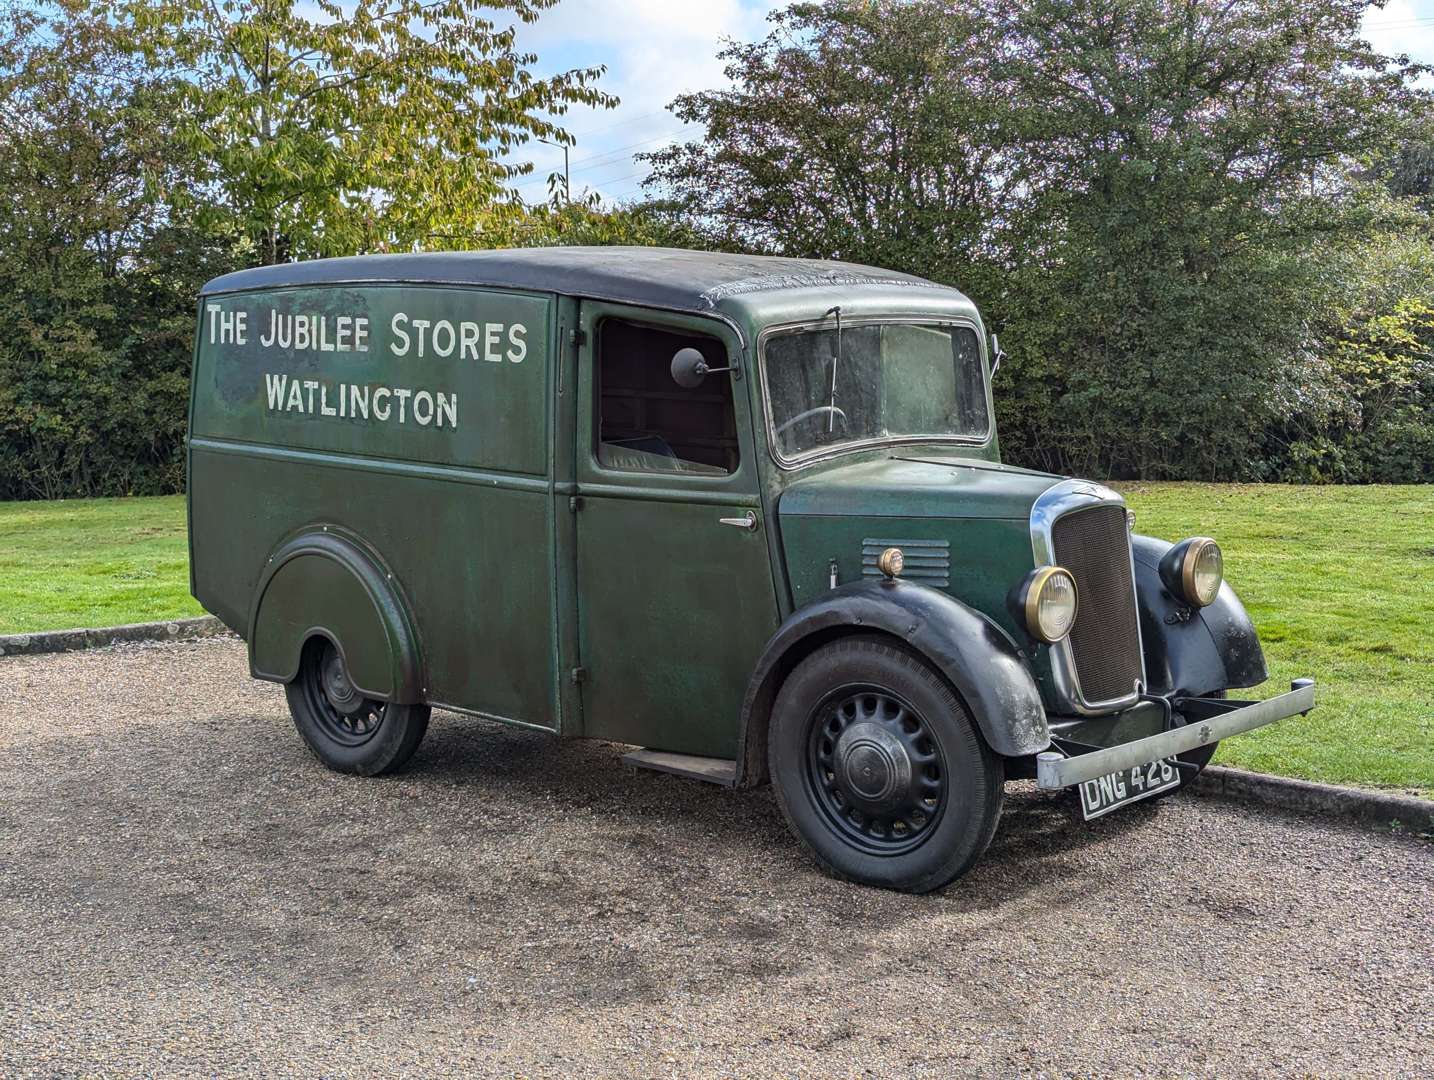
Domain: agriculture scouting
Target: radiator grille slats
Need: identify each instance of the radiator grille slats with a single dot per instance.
(1094, 545)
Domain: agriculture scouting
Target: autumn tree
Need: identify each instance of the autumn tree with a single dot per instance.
(1153, 200)
(97, 272)
(332, 128)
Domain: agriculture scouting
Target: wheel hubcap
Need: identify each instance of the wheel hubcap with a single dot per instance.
(338, 688)
(875, 770)
(872, 764)
(344, 714)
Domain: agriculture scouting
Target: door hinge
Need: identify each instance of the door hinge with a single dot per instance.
(577, 337)
(575, 503)
(579, 674)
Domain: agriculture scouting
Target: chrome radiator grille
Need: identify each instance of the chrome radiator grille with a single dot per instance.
(1094, 545)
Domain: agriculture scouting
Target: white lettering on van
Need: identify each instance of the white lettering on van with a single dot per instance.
(443, 327)
(423, 406)
(519, 350)
(227, 327)
(448, 406)
(421, 325)
(275, 385)
(284, 393)
(491, 333)
(468, 337)
(398, 332)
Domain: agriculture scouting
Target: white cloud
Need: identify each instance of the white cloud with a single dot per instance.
(654, 51)
(657, 49)
(1402, 26)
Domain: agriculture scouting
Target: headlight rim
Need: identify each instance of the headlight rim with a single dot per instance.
(1196, 546)
(1036, 581)
(1177, 570)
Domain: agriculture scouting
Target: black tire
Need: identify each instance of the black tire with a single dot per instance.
(843, 721)
(346, 731)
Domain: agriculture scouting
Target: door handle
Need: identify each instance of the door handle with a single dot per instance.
(747, 521)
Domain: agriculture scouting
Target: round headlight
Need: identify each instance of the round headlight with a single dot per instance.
(1193, 570)
(1050, 603)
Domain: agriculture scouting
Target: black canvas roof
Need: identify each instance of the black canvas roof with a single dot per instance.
(656, 277)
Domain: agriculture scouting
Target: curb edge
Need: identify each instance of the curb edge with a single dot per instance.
(53, 641)
(1377, 809)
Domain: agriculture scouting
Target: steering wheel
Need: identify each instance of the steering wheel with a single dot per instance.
(818, 411)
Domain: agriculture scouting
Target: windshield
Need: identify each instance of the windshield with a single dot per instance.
(887, 380)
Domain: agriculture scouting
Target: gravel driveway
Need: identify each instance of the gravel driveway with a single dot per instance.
(184, 890)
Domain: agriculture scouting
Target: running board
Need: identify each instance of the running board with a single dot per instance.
(711, 769)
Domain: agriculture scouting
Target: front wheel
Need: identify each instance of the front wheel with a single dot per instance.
(879, 769)
(347, 731)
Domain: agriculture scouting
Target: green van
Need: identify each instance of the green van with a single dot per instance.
(746, 513)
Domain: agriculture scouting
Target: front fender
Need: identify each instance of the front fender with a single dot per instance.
(1190, 652)
(975, 655)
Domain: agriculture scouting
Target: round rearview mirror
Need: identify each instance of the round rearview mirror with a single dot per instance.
(689, 368)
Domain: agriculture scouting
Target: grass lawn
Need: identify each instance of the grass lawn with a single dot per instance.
(1340, 583)
(1339, 580)
(93, 562)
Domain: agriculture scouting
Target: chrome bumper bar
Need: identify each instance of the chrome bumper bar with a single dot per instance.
(1054, 770)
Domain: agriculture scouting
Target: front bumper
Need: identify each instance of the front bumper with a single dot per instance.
(1055, 770)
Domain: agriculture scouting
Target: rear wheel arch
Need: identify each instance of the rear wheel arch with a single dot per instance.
(982, 666)
(325, 582)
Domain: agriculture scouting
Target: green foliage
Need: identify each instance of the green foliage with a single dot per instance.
(96, 280)
(147, 147)
(648, 224)
(1149, 199)
(864, 131)
(334, 128)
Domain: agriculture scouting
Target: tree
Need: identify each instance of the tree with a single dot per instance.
(89, 404)
(1201, 165)
(865, 131)
(375, 125)
(1145, 196)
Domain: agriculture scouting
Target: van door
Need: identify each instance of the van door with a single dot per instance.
(675, 593)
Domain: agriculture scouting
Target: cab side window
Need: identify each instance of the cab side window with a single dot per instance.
(645, 421)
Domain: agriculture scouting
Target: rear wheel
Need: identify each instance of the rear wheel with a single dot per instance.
(879, 769)
(347, 731)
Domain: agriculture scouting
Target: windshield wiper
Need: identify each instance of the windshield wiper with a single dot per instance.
(836, 360)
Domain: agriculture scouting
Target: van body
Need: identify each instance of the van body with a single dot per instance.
(746, 513)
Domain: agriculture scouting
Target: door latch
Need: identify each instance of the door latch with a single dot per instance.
(747, 521)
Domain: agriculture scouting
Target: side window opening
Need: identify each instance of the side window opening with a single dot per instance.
(646, 422)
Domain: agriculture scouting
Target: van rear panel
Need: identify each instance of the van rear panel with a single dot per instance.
(416, 418)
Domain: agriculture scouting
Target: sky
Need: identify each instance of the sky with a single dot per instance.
(657, 49)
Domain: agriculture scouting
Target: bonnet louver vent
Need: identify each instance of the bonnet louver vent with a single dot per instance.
(927, 561)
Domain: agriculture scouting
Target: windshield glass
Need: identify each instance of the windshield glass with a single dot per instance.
(889, 380)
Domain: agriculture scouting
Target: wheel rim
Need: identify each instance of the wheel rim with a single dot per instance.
(342, 712)
(875, 769)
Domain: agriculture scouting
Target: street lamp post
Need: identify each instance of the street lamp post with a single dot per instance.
(567, 176)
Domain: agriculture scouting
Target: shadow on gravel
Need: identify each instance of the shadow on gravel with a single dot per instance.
(507, 860)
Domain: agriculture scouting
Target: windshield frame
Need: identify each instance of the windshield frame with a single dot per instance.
(828, 322)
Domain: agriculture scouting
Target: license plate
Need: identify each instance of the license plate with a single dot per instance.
(1117, 789)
